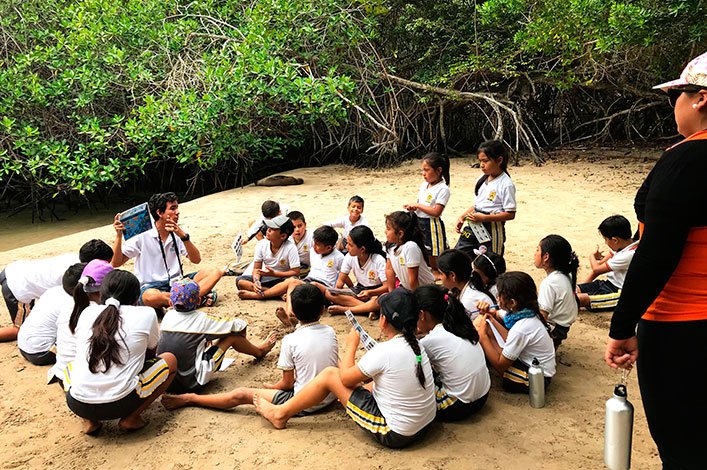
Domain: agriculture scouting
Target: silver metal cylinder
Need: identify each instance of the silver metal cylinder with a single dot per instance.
(618, 430)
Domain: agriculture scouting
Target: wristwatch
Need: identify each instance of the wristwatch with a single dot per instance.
(185, 238)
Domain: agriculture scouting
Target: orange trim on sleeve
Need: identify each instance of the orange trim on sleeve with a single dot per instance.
(684, 296)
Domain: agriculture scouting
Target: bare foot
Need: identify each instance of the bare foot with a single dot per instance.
(268, 344)
(268, 411)
(172, 402)
(249, 295)
(336, 310)
(282, 315)
(91, 428)
(132, 423)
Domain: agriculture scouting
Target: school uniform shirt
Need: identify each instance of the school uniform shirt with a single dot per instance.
(470, 297)
(304, 247)
(407, 256)
(65, 342)
(406, 405)
(371, 274)
(151, 263)
(346, 224)
(29, 279)
(187, 336)
(467, 379)
(325, 268)
(309, 350)
(497, 195)
(619, 263)
(431, 196)
(529, 339)
(556, 297)
(284, 259)
(138, 333)
(38, 332)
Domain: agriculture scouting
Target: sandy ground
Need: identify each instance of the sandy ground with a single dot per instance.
(569, 196)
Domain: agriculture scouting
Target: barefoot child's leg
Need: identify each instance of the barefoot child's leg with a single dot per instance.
(134, 420)
(220, 401)
(242, 344)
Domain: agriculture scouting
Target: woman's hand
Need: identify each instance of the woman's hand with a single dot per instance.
(621, 353)
(480, 323)
(118, 225)
(352, 340)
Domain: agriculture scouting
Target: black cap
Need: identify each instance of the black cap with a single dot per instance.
(399, 307)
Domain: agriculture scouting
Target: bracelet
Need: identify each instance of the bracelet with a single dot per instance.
(185, 238)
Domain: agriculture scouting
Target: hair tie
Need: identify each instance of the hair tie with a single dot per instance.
(419, 358)
(84, 280)
(446, 297)
(112, 301)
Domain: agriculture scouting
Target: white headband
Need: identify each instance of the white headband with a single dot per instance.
(481, 251)
(112, 301)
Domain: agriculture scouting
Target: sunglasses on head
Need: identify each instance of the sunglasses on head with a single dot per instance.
(674, 93)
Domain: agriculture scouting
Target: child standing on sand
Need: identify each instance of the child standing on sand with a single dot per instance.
(432, 198)
(396, 404)
(306, 352)
(494, 202)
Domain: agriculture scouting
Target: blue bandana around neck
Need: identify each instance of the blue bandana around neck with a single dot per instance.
(512, 317)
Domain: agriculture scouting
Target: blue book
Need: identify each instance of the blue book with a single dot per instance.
(136, 221)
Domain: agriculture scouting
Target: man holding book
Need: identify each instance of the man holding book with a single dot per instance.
(158, 254)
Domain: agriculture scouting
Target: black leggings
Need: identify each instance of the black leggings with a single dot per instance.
(670, 357)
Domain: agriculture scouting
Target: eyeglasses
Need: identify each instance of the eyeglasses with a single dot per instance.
(674, 93)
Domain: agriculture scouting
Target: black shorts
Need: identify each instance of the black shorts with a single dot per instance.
(363, 409)
(358, 288)
(45, 358)
(13, 305)
(559, 334)
(603, 295)
(434, 235)
(515, 378)
(266, 284)
(451, 409)
(468, 243)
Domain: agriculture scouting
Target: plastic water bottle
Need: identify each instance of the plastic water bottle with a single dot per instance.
(618, 430)
(536, 380)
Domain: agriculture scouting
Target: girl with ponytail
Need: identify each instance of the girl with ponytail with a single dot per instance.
(457, 275)
(462, 386)
(405, 248)
(558, 302)
(115, 374)
(397, 403)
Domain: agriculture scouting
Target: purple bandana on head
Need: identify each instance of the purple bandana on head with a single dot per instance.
(185, 294)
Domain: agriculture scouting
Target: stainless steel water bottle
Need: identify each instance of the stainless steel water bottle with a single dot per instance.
(536, 380)
(618, 430)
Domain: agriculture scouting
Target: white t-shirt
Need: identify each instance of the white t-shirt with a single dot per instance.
(431, 196)
(309, 350)
(529, 339)
(346, 224)
(38, 332)
(304, 247)
(139, 332)
(325, 268)
(65, 342)
(469, 297)
(284, 259)
(405, 404)
(28, 279)
(619, 264)
(371, 274)
(150, 265)
(467, 379)
(556, 297)
(497, 195)
(407, 256)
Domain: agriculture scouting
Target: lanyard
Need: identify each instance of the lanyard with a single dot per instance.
(164, 256)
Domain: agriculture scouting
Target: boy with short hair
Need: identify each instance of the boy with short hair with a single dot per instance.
(269, 210)
(598, 295)
(24, 281)
(302, 239)
(304, 353)
(275, 260)
(199, 341)
(354, 219)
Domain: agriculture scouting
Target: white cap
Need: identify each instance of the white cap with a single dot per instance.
(694, 74)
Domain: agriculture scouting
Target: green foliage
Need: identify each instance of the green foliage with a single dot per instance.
(92, 92)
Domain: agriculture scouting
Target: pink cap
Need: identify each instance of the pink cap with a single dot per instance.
(93, 274)
(694, 74)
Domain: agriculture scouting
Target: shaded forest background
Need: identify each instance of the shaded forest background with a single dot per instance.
(99, 96)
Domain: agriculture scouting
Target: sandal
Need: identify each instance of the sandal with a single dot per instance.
(209, 300)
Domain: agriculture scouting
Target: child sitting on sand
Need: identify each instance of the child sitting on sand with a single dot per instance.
(199, 341)
(457, 275)
(269, 210)
(407, 258)
(598, 295)
(302, 239)
(304, 353)
(488, 265)
(275, 260)
(522, 333)
(354, 219)
(389, 392)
